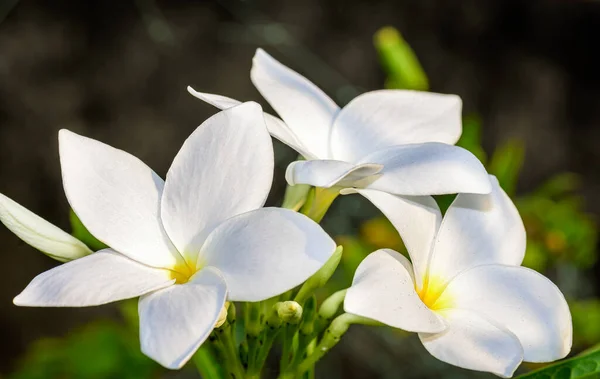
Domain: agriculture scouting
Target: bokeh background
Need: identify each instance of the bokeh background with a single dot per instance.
(528, 73)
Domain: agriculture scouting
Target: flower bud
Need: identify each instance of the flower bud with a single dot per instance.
(320, 278)
(222, 315)
(290, 312)
(39, 233)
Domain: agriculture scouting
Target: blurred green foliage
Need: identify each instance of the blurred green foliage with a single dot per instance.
(97, 351)
(586, 321)
(102, 349)
(399, 60)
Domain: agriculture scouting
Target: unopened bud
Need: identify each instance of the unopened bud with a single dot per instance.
(39, 233)
(320, 278)
(222, 315)
(290, 312)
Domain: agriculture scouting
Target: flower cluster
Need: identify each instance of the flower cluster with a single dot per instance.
(190, 244)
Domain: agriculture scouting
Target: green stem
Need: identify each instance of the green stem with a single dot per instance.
(206, 363)
(331, 337)
(290, 312)
(267, 337)
(320, 278)
(310, 374)
(244, 354)
(318, 202)
(289, 330)
(300, 352)
(252, 351)
(230, 351)
(305, 333)
(328, 310)
(253, 331)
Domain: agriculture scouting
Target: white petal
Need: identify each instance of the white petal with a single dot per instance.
(428, 169)
(474, 343)
(39, 233)
(307, 110)
(417, 219)
(277, 128)
(477, 230)
(266, 252)
(117, 197)
(380, 119)
(523, 301)
(176, 320)
(383, 290)
(328, 173)
(99, 278)
(221, 102)
(223, 169)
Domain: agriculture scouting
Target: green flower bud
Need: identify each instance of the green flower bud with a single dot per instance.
(320, 278)
(290, 312)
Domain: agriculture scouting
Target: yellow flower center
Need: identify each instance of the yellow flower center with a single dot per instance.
(182, 272)
(433, 295)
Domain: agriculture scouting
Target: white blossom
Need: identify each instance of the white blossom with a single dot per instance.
(396, 141)
(465, 292)
(184, 245)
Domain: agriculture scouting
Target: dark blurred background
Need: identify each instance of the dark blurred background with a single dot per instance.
(117, 71)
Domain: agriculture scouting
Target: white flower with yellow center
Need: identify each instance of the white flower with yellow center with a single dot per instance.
(396, 141)
(465, 292)
(187, 244)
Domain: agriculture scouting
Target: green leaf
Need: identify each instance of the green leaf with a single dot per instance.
(584, 366)
(399, 61)
(506, 164)
(80, 232)
(470, 138)
(206, 363)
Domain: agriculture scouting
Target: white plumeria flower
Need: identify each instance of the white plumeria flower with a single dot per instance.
(39, 233)
(396, 141)
(465, 292)
(187, 244)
